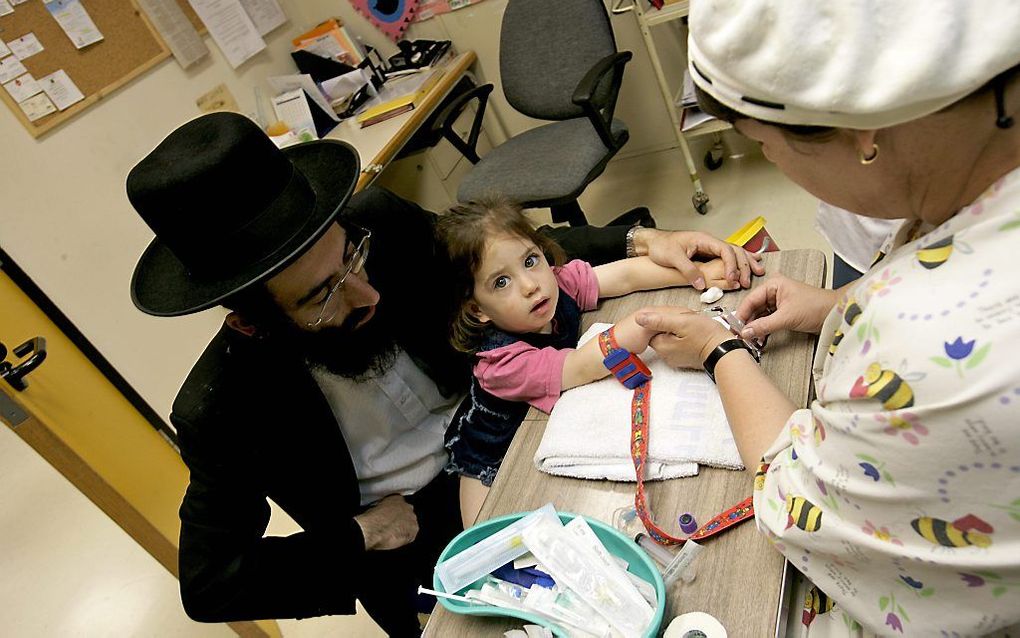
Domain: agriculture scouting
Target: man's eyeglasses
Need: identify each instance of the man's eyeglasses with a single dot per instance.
(355, 262)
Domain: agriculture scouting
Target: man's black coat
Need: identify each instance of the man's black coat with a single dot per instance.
(253, 425)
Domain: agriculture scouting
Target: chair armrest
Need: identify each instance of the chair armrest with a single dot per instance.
(601, 116)
(449, 115)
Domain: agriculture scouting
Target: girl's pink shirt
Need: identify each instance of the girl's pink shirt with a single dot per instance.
(522, 372)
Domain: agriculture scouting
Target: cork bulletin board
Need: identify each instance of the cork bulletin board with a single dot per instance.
(130, 47)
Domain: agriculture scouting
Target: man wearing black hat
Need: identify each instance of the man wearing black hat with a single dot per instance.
(331, 383)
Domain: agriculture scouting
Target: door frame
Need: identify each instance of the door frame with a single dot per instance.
(92, 479)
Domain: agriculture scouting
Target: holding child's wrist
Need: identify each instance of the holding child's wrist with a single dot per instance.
(637, 241)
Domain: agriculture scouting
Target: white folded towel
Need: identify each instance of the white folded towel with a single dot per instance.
(588, 434)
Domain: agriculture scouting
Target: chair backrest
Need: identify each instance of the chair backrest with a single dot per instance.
(546, 47)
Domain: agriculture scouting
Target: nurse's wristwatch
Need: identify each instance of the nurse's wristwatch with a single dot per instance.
(729, 320)
(721, 351)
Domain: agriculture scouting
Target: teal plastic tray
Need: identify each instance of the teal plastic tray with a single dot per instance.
(617, 544)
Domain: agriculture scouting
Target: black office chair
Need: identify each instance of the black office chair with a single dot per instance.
(558, 61)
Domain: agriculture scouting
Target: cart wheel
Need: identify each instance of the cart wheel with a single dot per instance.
(713, 160)
(700, 202)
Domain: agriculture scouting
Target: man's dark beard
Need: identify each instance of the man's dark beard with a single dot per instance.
(360, 354)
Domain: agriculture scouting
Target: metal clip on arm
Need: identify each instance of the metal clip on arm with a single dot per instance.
(732, 322)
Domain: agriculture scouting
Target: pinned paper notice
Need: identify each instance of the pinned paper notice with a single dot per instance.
(176, 30)
(23, 87)
(59, 87)
(265, 14)
(37, 106)
(26, 46)
(3, 49)
(231, 28)
(5, 8)
(75, 21)
(10, 68)
(17, 2)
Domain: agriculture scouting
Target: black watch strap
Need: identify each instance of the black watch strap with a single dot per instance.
(720, 351)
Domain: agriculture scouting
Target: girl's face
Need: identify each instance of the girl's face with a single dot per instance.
(515, 288)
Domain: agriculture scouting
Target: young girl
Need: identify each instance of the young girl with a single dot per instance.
(520, 316)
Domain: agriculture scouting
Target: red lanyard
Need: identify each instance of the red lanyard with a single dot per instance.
(639, 414)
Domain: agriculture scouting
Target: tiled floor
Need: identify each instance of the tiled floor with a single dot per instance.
(67, 570)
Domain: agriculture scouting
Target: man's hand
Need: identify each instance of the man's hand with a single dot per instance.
(784, 304)
(675, 249)
(686, 337)
(389, 524)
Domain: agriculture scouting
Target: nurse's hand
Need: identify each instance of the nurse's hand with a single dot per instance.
(784, 304)
(675, 249)
(389, 524)
(687, 337)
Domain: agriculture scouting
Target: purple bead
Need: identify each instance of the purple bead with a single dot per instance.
(687, 523)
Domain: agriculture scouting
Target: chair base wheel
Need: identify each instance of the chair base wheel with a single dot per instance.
(713, 161)
(700, 202)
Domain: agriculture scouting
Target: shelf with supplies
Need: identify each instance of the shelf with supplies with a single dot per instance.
(648, 17)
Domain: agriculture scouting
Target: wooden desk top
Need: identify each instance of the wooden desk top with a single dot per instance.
(379, 144)
(739, 575)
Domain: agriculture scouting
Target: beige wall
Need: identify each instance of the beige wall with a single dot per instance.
(67, 222)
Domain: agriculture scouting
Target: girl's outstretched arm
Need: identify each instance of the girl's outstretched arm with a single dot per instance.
(641, 273)
(584, 365)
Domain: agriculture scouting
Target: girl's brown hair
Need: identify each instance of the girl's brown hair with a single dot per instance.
(464, 231)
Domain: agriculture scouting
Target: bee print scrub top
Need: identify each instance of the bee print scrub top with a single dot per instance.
(897, 493)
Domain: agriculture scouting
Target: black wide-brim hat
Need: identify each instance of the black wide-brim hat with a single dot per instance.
(230, 209)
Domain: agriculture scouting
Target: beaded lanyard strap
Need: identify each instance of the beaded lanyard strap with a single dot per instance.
(633, 373)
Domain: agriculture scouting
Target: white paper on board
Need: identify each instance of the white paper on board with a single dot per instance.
(75, 21)
(61, 89)
(176, 30)
(5, 8)
(10, 68)
(37, 106)
(266, 15)
(231, 28)
(26, 46)
(22, 88)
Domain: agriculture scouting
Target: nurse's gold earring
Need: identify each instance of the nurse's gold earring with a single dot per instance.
(868, 160)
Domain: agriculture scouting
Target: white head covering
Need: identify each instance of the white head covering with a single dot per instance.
(849, 63)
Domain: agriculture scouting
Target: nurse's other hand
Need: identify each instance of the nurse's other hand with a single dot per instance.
(687, 337)
(676, 249)
(780, 303)
(389, 524)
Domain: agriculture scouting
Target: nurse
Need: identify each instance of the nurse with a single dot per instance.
(897, 493)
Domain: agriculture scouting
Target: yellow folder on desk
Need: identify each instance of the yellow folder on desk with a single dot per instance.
(399, 95)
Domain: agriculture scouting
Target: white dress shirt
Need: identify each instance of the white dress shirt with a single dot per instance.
(394, 426)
